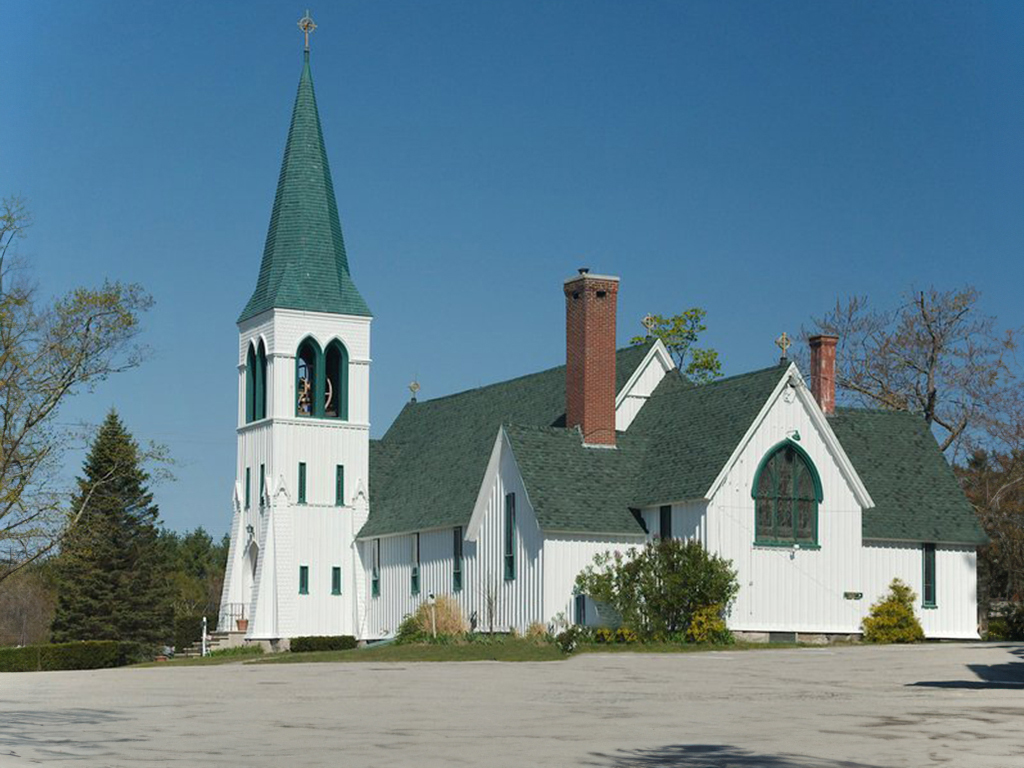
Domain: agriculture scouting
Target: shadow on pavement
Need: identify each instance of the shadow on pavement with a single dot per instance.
(1008, 676)
(711, 756)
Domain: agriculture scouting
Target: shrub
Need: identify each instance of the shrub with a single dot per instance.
(708, 626)
(446, 618)
(322, 643)
(538, 632)
(88, 654)
(892, 618)
(24, 659)
(657, 589)
(997, 630)
(1013, 617)
(189, 630)
(569, 639)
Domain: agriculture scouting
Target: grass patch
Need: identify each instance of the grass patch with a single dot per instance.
(681, 647)
(503, 650)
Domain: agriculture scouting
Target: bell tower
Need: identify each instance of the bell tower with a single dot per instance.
(300, 493)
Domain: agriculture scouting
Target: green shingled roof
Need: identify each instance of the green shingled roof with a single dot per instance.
(304, 262)
(916, 495)
(692, 431)
(575, 488)
(427, 469)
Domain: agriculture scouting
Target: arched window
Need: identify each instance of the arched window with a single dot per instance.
(309, 380)
(260, 388)
(336, 386)
(250, 385)
(786, 494)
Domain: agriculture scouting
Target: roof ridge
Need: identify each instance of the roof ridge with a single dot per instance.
(522, 377)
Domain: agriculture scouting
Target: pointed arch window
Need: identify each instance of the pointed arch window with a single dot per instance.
(336, 381)
(787, 491)
(260, 389)
(256, 383)
(309, 382)
(250, 385)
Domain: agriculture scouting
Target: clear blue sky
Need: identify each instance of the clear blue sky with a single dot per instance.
(756, 159)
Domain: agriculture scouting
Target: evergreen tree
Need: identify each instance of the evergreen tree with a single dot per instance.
(112, 571)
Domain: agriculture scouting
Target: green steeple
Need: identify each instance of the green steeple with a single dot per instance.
(304, 263)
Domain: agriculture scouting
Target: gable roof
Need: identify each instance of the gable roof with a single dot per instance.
(427, 469)
(304, 261)
(574, 488)
(916, 495)
(692, 431)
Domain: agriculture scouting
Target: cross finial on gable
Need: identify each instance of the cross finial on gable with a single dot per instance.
(784, 343)
(414, 387)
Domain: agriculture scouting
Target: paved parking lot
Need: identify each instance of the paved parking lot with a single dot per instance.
(959, 705)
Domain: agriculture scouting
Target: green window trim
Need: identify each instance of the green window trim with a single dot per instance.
(665, 522)
(336, 371)
(327, 373)
(580, 610)
(336, 580)
(928, 586)
(302, 482)
(263, 485)
(248, 487)
(375, 575)
(250, 385)
(260, 384)
(786, 492)
(339, 485)
(414, 581)
(510, 537)
(303, 579)
(457, 559)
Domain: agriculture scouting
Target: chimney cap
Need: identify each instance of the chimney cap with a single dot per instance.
(583, 270)
(585, 275)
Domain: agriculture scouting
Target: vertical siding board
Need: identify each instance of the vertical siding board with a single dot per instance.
(956, 611)
(788, 589)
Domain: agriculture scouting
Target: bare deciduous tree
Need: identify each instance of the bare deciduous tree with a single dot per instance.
(936, 354)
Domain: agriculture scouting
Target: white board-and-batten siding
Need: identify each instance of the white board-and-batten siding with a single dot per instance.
(789, 589)
(955, 614)
(640, 385)
(487, 597)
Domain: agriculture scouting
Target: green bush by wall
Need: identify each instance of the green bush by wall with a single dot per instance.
(325, 643)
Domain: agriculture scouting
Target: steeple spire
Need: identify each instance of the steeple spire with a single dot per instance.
(304, 261)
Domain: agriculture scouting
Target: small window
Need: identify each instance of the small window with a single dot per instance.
(248, 486)
(457, 559)
(580, 609)
(336, 580)
(665, 522)
(302, 482)
(263, 485)
(928, 588)
(339, 486)
(415, 578)
(303, 579)
(250, 385)
(510, 536)
(375, 573)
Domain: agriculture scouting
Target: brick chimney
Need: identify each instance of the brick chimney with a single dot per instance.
(590, 356)
(823, 371)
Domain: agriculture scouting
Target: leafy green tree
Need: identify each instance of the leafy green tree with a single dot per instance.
(197, 570)
(679, 333)
(659, 588)
(49, 350)
(111, 572)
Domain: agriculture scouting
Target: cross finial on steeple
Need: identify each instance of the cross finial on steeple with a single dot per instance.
(783, 343)
(306, 25)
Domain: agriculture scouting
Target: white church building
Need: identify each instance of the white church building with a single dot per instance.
(501, 495)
